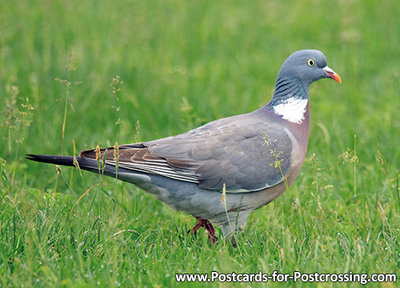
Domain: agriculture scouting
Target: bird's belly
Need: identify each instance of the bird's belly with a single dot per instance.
(207, 204)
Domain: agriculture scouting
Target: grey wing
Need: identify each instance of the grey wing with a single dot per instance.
(243, 152)
(244, 156)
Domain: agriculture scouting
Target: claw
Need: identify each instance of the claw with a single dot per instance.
(208, 226)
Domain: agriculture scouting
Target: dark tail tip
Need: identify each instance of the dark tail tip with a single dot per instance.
(52, 159)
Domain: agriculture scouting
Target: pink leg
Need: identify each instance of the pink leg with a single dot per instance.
(208, 226)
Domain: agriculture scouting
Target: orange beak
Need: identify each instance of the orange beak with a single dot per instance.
(332, 74)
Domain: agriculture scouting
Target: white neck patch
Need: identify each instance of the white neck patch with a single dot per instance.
(293, 109)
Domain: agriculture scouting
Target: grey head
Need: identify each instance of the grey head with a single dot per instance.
(297, 73)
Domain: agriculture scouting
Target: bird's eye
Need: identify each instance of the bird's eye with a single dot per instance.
(310, 62)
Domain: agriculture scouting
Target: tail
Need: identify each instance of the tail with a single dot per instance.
(58, 160)
(83, 163)
(89, 164)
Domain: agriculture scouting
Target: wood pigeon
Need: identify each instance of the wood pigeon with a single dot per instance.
(223, 170)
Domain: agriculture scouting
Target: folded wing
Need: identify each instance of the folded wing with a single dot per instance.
(244, 153)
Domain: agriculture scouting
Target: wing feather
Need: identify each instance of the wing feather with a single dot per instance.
(243, 152)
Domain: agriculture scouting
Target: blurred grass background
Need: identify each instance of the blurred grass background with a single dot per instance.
(177, 65)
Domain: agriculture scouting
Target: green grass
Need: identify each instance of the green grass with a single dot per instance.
(184, 63)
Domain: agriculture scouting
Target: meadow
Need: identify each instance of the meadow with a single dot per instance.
(77, 74)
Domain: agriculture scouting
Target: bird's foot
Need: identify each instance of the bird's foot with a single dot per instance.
(208, 226)
(233, 241)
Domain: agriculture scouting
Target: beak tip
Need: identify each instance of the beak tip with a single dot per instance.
(332, 74)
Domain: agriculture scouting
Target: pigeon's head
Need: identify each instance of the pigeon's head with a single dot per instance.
(307, 66)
